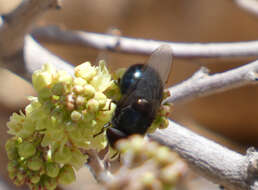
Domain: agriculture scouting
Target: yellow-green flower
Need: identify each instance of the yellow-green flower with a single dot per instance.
(60, 122)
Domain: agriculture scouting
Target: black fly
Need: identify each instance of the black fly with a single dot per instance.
(142, 88)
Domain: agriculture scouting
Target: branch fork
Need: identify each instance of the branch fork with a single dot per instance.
(219, 164)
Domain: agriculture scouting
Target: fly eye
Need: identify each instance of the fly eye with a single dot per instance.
(142, 105)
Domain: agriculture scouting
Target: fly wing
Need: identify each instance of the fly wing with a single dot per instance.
(148, 87)
(161, 61)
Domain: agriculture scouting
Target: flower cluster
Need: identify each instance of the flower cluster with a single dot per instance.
(146, 165)
(161, 120)
(61, 123)
(48, 138)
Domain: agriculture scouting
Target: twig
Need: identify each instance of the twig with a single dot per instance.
(216, 162)
(143, 46)
(23, 55)
(221, 165)
(211, 160)
(251, 6)
(97, 167)
(35, 56)
(191, 147)
(19, 22)
(202, 84)
(13, 30)
(32, 58)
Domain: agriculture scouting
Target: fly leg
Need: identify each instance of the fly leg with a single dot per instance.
(109, 106)
(107, 125)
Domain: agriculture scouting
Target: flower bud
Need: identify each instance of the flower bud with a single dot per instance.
(78, 159)
(28, 129)
(35, 163)
(41, 80)
(35, 179)
(69, 99)
(75, 115)
(26, 149)
(12, 175)
(11, 149)
(78, 81)
(163, 155)
(137, 144)
(52, 169)
(165, 110)
(101, 98)
(12, 166)
(63, 156)
(78, 89)
(66, 175)
(89, 91)
(15, 124)
(46, 140)
(92, 105)
(64, 77)
(171, 173)
(50, 183)
(20, 176)
(44, 94)
(107, 113)
(58, 89)
(80, 100)
(163, 123)
(85, 71)
(148, 178)
(20, 179)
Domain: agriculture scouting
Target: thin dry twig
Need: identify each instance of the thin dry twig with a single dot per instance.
(146, 47)
(15, 26)
(190, 146)
(35, 56)
(21, 54)
(232, 176)
(19, 22)
(211, 160)
(216, 162)
(97, 167)
(203, 84)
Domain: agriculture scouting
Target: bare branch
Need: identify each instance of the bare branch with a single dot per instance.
(214, 161)
(97, 168)
(18, 23)
(202, 84)
(13, 28)
(211, 160)
(219, 164)
(250, 6)
(35, 56)
(143, 46)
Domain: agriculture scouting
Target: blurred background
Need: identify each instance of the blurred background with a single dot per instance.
(229, 117)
